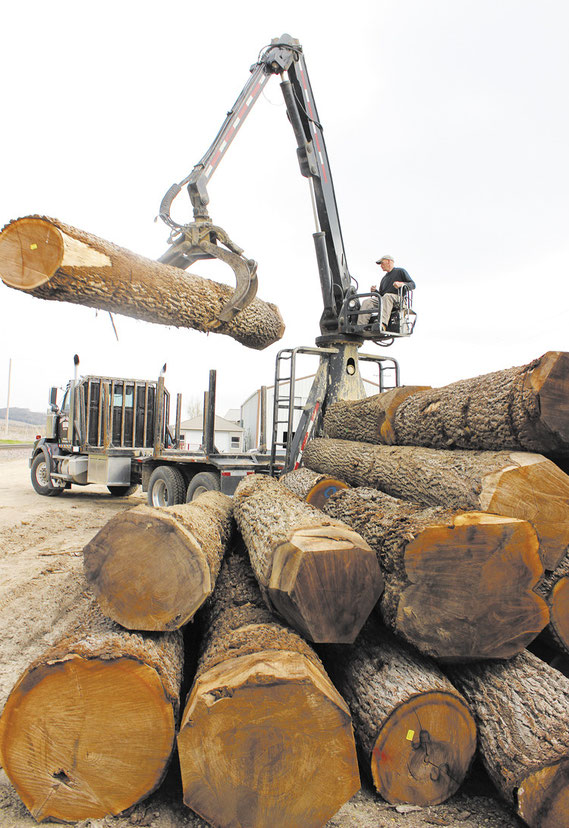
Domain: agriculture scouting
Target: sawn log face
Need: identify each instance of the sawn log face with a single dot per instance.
(52, 260)
(458, 585)
(89, 728)
(151, 569)
(315, 571)
(516, 484)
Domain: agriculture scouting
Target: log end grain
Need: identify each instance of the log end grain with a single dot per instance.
(321, 491)
(31, 250)
(325, 581)
(73, 741)
(424, 749)
(252, 742)
(543, 797)
(471, 592)
(533, 489)
(558, 601)
(550, 379)
(147, 570)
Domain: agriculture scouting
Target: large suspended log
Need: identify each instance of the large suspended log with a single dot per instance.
(519, 408)
(151, 569)
(458, 585)
(521, 709)
(415, 734)
(51, 260)
(265, 738)
(316, 572)
(88, 730)
(515, 484)
(310, 486)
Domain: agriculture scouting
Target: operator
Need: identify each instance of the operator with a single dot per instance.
(395, 277)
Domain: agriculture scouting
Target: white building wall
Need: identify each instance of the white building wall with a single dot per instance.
(222, 439)
(251, 411)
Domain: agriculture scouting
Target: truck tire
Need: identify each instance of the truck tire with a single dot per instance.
(166, 487)
(202, 482)
(40, 477)
(122, 491)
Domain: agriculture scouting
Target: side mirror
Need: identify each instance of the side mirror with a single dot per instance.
(53, 398)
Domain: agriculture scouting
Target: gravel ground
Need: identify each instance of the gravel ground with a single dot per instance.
(42, 537)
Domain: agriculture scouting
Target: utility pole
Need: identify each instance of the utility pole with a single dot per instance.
(8, 398)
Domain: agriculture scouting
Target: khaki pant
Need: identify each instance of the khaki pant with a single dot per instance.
(388, 302)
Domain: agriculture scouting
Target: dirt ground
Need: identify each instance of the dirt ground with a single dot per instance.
(42, 539)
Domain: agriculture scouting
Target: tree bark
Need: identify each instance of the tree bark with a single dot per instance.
(519, 408)
(260, 717)
(310, 486)
(369, 420)
(151, 569)
(415, 734)
(515, 484)
(316, 572)
(554, 588)
(88, 730)
(51, 260)
(458, 585)
(521, 709)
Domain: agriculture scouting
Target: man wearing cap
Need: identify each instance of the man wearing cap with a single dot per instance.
(395, 277)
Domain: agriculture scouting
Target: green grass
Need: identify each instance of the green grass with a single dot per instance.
(14, 442)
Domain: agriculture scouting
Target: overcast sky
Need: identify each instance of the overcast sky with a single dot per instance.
(447, 127)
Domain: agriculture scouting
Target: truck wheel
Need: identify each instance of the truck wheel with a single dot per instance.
(200, 483)
(40, 477)
(122, 491)
(166, 487)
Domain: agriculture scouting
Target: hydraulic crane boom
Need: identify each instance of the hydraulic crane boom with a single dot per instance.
(201, 239)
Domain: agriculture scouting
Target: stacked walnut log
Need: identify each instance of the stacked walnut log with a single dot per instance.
(443, 542)
(471, 527)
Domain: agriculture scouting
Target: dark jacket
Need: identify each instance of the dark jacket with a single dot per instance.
(398, 274)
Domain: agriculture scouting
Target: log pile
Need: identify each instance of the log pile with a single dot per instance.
(463, 555)
(51, 260)
(430, 466)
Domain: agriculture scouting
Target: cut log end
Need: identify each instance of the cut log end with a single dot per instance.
(551, 381)
(147, 571)
(559, 610)
(252, 740)
(319, 493)
(31, 250)
(533, 489)
(423, 751)
(314, 578)
(543, 797)
(477, 605)
(74, 744)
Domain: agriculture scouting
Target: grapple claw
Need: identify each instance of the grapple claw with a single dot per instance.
(203, 240)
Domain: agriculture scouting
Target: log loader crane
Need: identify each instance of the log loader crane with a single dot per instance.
(342, 332)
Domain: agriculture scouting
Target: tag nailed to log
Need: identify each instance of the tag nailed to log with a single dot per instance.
(51, 260)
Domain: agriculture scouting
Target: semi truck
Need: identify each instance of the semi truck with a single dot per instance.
(114, 431)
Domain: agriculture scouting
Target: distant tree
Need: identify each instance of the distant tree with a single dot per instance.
(194, 407)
